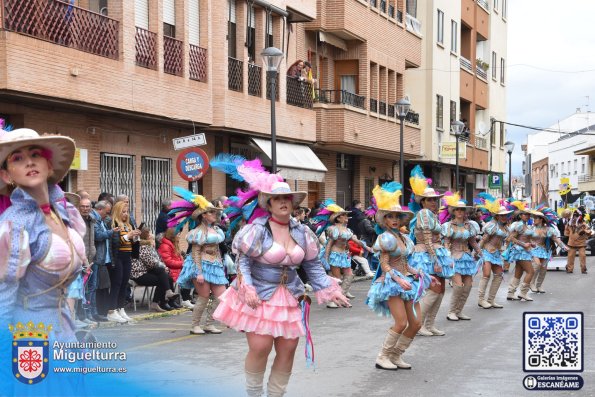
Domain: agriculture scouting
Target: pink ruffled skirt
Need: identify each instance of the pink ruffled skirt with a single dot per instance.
(279, 316)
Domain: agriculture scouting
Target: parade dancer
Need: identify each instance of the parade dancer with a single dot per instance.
(495, 232)
(397, 287)
(430, 256)
(332, 220)
(203, 268)
(578, 233)
(544, 232)
(459, 234)
(520, 252)
(263, 299)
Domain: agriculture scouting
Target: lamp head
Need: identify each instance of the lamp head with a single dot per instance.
(457, 127)
(509, 147)
(402, 107)
(272, 58)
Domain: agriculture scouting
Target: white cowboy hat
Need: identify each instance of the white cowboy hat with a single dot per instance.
(460, 204)
(280, 189)
(337, 214)
(538, 213)
(503, 211)
(73, 198)
(382, 212)
(428, 193)
(62, 149)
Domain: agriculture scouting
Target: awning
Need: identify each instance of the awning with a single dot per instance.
(294, 161)
(333, 40)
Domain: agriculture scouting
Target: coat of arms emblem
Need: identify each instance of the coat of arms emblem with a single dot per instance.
(30, 352)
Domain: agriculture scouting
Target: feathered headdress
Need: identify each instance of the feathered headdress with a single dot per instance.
(518, 206)
(4, 199)
(489, 205)
(418, 183)
(449, 198)
(326, 214)
(186, 210)
(386, 199)
(551, 218)
(244, 205)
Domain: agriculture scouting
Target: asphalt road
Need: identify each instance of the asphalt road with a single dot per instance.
(481, 357)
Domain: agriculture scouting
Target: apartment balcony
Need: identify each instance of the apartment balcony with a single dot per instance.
(345, 125)
(61, 23)
(146, 48)
(173, 58)
(198, 63)
(481, 93)
(235, 74)
(254, 80)
(586, 183)
(300, 93)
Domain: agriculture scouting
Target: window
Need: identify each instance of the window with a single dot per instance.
(155, 185)
(553, 169)
(575, 166)
(269, 36)
(453, 112)
(493, 135)
(194, 22)
(494, 69)
(141, 14)
(502, 135)
(583, 166)
(439, 111)
(557, 170)
(231, 29)
(440, 29)
(495, 5)
(116, 175)
(411, 6)
(251, 39)
(454, 36)
(562, 168)
(169, 18)
(502, 70)
(504, 9)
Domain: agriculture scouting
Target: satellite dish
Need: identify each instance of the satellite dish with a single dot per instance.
(482, 128)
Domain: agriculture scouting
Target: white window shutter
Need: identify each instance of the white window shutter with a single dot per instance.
(232, 14)
(141, 13)
(169, 12)
(251, 22)
(270, 23)
(194, 22)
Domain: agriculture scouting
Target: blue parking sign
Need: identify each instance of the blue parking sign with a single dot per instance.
(495, 181)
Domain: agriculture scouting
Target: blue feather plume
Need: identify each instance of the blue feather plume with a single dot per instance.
(391, 187)
(184, 193)
(228, 163)
(487, 196)
(417, 172)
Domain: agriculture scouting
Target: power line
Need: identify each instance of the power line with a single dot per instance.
(541, 129)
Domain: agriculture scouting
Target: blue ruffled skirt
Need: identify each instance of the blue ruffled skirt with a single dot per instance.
(339, 259)
(212, 272)
(421, 260)
(321, 256)
(380, 292)
(519, 254)
(76, 290)
(494, 258)
(466, 265)
(541, 253)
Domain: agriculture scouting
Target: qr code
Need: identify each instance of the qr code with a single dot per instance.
(553, 342)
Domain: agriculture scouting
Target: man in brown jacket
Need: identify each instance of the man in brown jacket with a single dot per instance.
(578, 233)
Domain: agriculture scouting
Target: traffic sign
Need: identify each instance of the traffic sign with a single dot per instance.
(495, 181)
(192, 164)
(189, 141)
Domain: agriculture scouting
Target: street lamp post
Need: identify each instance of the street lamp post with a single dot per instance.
(457, 128)
(509, 148)
(272, 58)
(402, 108)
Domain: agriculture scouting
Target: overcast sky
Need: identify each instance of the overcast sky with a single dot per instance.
(551, 64)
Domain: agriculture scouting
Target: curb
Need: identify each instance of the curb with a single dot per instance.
(143, 317)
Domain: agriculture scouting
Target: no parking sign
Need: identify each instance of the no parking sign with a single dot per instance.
(192, 164)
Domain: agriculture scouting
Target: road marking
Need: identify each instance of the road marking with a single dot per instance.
(163, 342)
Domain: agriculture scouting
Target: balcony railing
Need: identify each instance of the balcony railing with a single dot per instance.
(268, 90)
(484, 4)
(391, 111)
(391, 10)
(300, 93)
(481, 143)
(173, 57)
(586, 178)
(63, 24)
(383, 6)
(400, 16)
(466, 64)
(146, 48)
(198, 63)
(382, 107)
(235, 74)
(412, 117)
(374, 105)
(342, 97)
(480, 72)
(413, 24)
(254, 80)
(374, 3)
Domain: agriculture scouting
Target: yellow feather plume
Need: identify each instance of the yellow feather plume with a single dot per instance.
(418, 185)
(452, 200)
(334, 208)
(519, 205)
(201, 202)
(385, 199)
(492, 206)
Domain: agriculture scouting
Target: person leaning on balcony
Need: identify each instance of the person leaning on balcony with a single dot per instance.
(295, 71)
(578, 233)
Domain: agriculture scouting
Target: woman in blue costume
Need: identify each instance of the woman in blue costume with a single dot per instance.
(397, 288)
(544, 233)
(429, 254)
(520, 252)
(333, 220)
(203, 268)
(459, 234)
(494, 234)
(41, 250)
